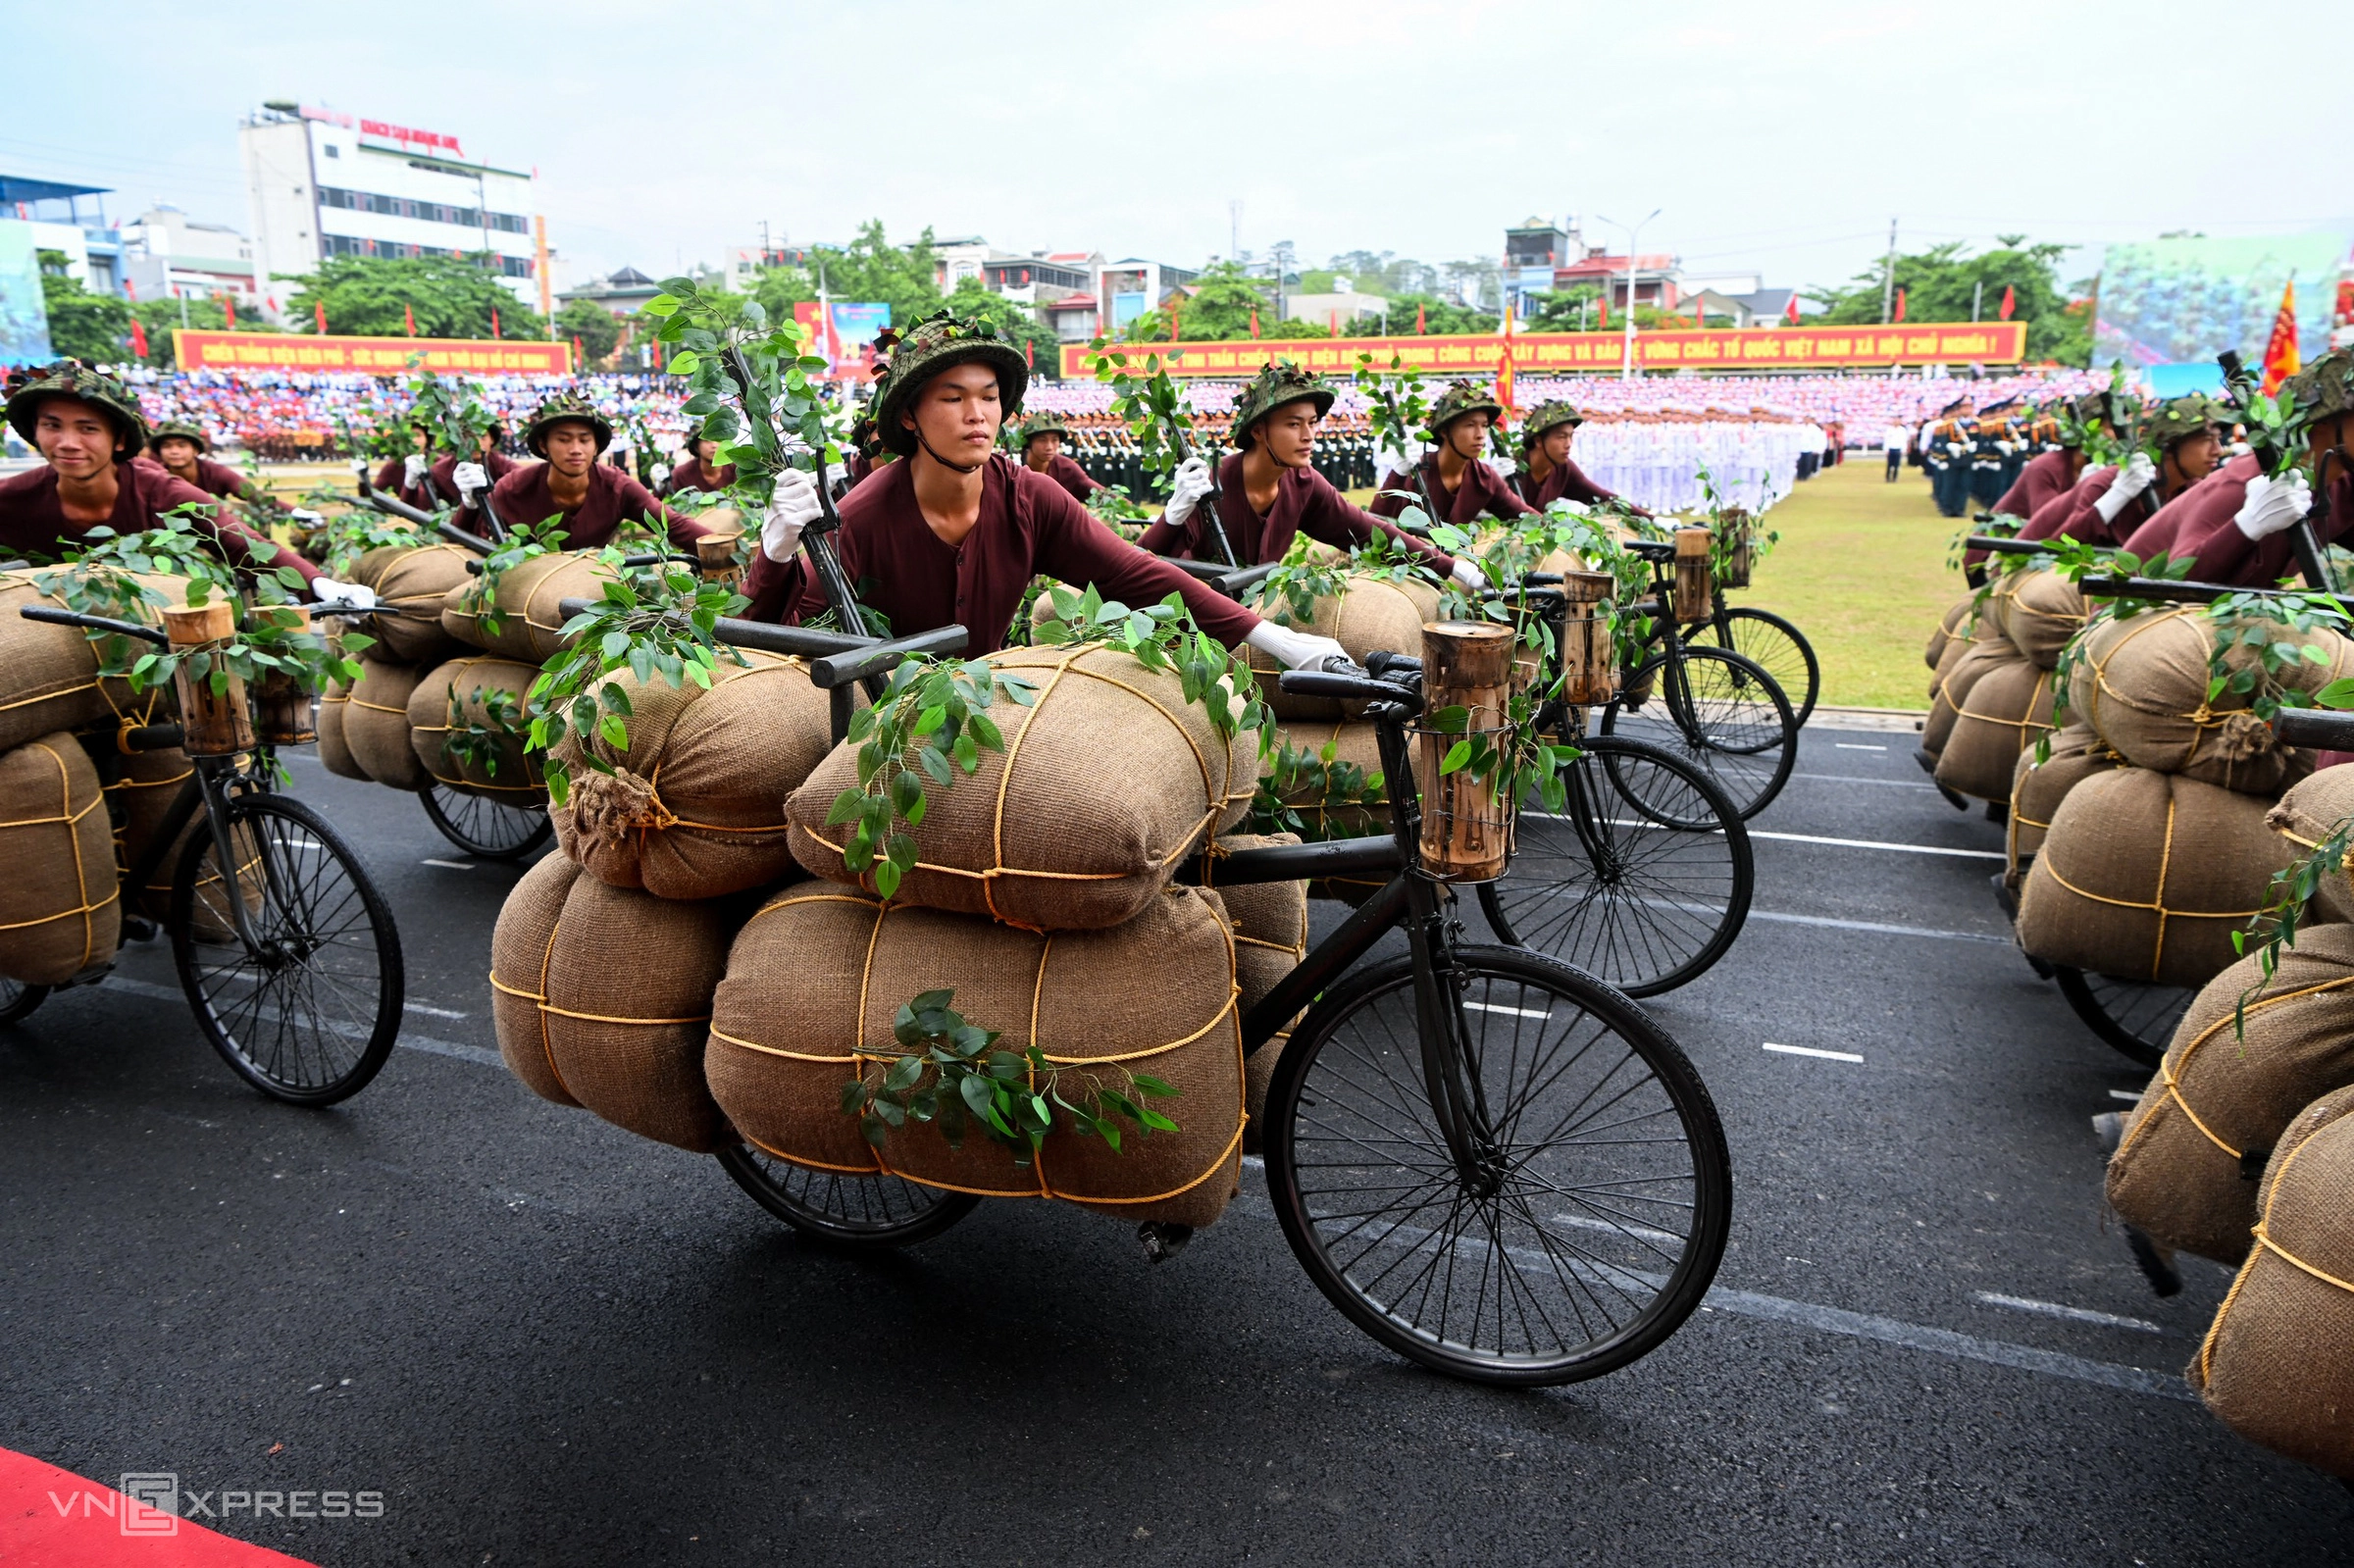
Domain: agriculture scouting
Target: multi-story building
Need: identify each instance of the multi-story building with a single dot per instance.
(166, 253)
(322, 182)
(63, 222)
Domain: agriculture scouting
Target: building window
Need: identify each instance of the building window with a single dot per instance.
(334, 151)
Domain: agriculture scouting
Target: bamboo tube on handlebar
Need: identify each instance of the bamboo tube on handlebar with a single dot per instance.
(1737, 532)
(214, 724)
(1694, 600)
(715, 554)
(1589, 648)
(282, 708)
(1466, 830)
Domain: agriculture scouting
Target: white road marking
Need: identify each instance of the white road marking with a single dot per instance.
(407, 1042)
(435, 1012)
(1880, 928)
(2053, 1309)
(1874, 843)
(2131, 1096)
(1859, 778)
(1516, 1012)
(466, 865)
(1848, 745)
(1810, 1050)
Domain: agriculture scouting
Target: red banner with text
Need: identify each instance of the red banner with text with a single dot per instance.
(367, 355)
(1796, 348)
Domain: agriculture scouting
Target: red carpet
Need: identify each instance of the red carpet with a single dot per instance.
(52, 1518)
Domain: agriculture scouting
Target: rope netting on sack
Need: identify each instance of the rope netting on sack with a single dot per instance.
(59, 904)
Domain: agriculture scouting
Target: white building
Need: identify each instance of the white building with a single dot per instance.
(168, 253)
(321, 183)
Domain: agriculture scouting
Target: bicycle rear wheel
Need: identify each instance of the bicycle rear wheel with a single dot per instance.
(1779, 649)
(1608, 1211)
(1641, 880)
(2133, 1016)
(483, 826)
(851, 1211)
(18, 1001)
(308, 1012)
(1726, 717)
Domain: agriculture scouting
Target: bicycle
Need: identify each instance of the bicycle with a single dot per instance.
(1766, 640)
(281, 941)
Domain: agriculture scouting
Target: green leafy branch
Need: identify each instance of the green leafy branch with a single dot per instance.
(955, 1075)
(488, 741)
(2274, 633)
(1165, 637)
(1309, 572)
(1514, 758)
(452, 408)
(525, 541)
(1150, 400)
(749, 381)
(1301, 790)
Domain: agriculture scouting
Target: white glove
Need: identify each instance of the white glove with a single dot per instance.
(359, 465)
(1186, 487)
(1468, 573)
(793, 508)
(2005, 448)
(1294, 651)
(471, 478)
(661, 474)
(303, 514)
(413, 468)
(2274, 505)
(2238, 449)
(1406, 456)
(2137, 475)
(358, 595)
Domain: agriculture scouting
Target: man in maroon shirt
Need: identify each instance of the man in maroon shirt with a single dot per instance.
(1547, 473)
(1268, 491)
(1458, 485)
(90, 431)
(467, 480)
(953, 531)
(2108, 504)
(570, 484)
(2056, 471)
(699, 468)
(1042, 453)
(179, 448)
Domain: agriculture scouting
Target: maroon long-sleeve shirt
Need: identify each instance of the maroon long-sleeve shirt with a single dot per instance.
(2072, 514)
(1304, 503)
(2198, 523)
(213, 479)
(1480, 492)
(497, 465)
(522, 499)
(1071, 476)
(391, 478)
(33, 520)
(1028, 525)
(2046, 474)
(690, 475)
(1566, 481)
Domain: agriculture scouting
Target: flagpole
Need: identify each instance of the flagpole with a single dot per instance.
(1626, 369)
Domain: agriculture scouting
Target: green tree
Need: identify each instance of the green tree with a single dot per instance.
(450, 296)
(1940, 284)
(1439, 316)
(870, 269)
(1016, 321)
(82, 325)
(1562, 309)
(1219, 309)
(593, 324)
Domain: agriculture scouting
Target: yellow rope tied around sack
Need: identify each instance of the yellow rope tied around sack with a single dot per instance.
(2265, 1243)
(2165, 859)
(2167, 1067)
(70, 820)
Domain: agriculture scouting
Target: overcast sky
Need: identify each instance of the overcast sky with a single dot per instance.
(1778, 138)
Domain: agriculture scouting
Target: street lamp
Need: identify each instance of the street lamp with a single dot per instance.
(1626, 370)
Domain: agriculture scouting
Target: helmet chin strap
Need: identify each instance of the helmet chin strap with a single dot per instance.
(960, 467)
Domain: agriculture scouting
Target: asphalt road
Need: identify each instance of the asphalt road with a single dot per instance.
(545, 1341)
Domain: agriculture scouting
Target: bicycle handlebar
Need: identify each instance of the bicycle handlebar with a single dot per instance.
(2321, 730)
(153, 738)
(93, 623)
(2003, 544)
(1349, 683)
(2163, 590)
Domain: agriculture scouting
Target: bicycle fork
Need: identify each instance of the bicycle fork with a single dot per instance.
(212, 775)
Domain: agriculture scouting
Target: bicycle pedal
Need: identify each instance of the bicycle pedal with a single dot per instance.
(2157, 1263)
(136, 930)
(1162, 1240)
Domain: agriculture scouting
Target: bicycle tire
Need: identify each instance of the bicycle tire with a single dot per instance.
(301, 1028)
(2133, 1017)
(18, 1001)
(891, 1211)
(1602, 894)
(1779, 648)
(484, 827)
(1749, 756)
(1318, 1124)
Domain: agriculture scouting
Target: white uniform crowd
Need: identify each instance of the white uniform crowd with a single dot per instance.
(1656, 463)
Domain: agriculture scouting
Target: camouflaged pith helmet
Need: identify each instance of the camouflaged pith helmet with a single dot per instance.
(1547, 417)
(1038, 424)
(2325, 388)
(932, 345)
(2180, 418)
(179, 430)
(555, 411)
(1278, 382)
(1462, 398)
(72, 378)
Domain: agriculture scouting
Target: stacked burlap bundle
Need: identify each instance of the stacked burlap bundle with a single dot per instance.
(464, 692)
(1965, 664)
(695, 806)
(375, 725)
(2184, 1171)
(412, 581)
(1109, 779)
(334, 747)
(1952, 626)
(49, 674)
(2313, 809)
(2277, 1364)
(59, 912)
(2006, 711)
(1270, 921)
(1367, 616)
(526, 624)
(601, 997)
(2045, 612)
(817, 977)
(2038, 787)
(2142, 683)
(1353, 743)
(146, 785)
(2145, 875)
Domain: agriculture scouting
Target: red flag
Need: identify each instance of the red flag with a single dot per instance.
(1791, 314)
(1255, 321)
(1900, 305)
(1333, 323)
(1177, 322)
(1420, 328)
(228, 312)
(1604, 302)
(1030, 353)
(272, 304)
(410, 316)
(579, 355)
(138, 339)
(319, 311)
(131, 292)
(495, 332)
(2280, 358)
(2009, 303)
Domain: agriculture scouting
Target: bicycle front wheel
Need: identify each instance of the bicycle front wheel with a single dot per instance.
(864, 1212)
(1642, 879)
(1601, 1223)
(483, 826)
(1719, 713)
(2133, 1016)
(307, 1011)
(1779, 648)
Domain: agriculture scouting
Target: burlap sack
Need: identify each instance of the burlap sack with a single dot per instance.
(147, 784)
(2008, 710)
(2142, 685)
(2312, 810)
(603, 1000)
(2184, 1171)
(2145, 875)
(49, 674)
(528, 621)
(1355, 744)
(413, 582)
(2278, 1363)
(463, 692)
(59, 909)
(334, 748)
(1269, 920)
(1977, 660)
(1368, 615)
(697, 806)
(1952, 626)
(818, 974)
(2038, 788)
(1994, 605)
(1109, 779)
(2046, 611)
(376, 725)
